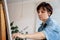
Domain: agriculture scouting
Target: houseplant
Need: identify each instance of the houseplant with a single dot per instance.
(14, 29)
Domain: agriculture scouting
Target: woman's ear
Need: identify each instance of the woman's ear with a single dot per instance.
(49, 13)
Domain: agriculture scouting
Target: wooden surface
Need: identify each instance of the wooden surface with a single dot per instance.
(0, 21)
(2, 24)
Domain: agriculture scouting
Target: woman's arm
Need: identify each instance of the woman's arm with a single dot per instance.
(37, 35)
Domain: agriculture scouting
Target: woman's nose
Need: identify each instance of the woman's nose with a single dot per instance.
(39, 14)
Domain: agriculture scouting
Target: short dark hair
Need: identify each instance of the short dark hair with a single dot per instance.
(45, 5)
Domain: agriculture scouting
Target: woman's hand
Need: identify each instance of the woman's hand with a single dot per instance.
(18, 35)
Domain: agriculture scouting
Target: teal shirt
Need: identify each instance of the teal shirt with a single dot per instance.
(51, 30)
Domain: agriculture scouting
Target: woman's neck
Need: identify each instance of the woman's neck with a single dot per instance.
(44, 21)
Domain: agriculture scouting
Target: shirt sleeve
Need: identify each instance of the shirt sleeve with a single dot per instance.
(51, 33)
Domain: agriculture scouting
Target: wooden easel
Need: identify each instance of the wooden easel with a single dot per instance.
(2, 24)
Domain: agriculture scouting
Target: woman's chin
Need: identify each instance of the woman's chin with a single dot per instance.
(40, 19)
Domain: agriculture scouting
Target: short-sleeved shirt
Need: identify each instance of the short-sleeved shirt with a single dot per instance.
(51, 30)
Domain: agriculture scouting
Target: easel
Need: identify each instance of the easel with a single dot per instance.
(2, 23)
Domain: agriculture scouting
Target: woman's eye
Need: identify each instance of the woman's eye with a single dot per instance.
(42, 12)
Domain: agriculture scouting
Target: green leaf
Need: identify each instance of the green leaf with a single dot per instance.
(11, 24)
(16, 27)
(13, 32)
(18, 38)
(16, 31)
(12, 28)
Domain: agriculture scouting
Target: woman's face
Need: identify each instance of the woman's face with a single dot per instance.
(43, 14)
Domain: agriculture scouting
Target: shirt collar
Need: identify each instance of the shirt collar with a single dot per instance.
(48, 20)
